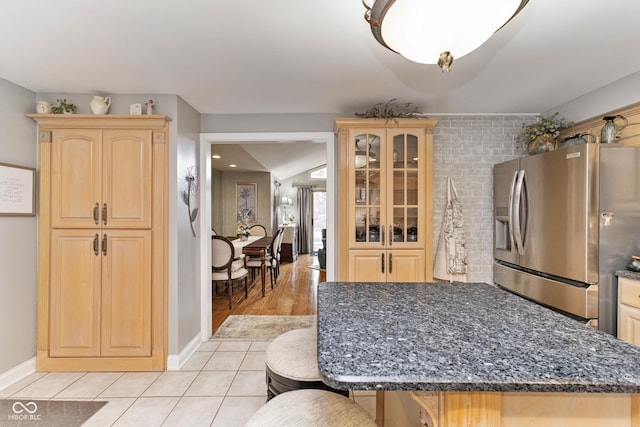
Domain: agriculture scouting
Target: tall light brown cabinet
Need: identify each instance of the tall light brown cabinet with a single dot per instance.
(386, 199)
(102, 242)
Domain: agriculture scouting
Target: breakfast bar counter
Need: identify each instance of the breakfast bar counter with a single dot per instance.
(466, 343)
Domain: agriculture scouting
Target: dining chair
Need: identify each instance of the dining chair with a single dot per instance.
(258, 230)
(255, 263)
(277, 251)
(225, 267)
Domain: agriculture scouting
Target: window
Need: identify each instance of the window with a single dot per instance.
(318, 173)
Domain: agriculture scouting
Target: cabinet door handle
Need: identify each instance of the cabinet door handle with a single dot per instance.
(104, 214)
(382, 255)
(104, 244)
(382, 237)
(95, 244)
(390, 263)
(96, 208)
(390, 240)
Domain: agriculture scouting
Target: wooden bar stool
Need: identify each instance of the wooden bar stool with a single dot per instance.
(292, 363)
(311, 408)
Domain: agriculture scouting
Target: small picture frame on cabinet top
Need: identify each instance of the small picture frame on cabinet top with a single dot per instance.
(135, 109)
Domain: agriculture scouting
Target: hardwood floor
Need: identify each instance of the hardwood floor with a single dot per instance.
(295, 293)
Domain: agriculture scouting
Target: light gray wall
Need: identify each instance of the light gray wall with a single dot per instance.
(18, 239)
(226, 197)
(216, 205)
(188, 286)
(221, 123)
(616, 95)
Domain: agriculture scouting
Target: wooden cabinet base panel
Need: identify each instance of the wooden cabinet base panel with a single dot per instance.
(287, 253)
(494, 409)
(101, 364)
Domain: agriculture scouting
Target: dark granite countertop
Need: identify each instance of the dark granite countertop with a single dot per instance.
(464, 337)
(628, 274)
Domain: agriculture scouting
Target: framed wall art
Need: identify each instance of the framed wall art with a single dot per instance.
(246, 201)
(17, 190)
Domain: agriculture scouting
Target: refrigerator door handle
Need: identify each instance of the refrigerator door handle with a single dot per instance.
(517, 204)
(512, 190)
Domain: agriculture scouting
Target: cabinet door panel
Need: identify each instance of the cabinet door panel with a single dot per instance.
(629, 291)
(629, 324)
(74, 316)
(406, 187)
(126, 293)
(75, 177)
(127, 175)
(366, 266)
(366, 188)
(406, 266)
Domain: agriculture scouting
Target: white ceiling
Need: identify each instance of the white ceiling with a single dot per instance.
(303, 56)
(283, 159)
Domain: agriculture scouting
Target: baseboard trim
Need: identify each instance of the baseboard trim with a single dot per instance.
(17, 373)
(176, 361)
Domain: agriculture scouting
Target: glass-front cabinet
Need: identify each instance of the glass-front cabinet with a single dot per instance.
(385, 204)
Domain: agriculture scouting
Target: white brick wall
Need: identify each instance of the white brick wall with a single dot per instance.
(466, 148)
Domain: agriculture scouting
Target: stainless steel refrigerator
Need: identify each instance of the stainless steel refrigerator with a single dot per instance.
(565, 221)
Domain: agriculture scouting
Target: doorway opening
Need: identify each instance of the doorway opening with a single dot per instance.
(206, 140)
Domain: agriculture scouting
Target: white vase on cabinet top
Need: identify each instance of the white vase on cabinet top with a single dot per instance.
(100, 105)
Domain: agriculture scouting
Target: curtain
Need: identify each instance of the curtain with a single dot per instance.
(305, 217)
(274, 204)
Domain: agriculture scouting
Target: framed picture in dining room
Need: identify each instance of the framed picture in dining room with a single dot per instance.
(246, 200)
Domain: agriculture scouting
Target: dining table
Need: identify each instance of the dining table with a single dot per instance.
(259, 248)
(238, 244)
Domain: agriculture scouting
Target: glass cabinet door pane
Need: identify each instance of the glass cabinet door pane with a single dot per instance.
(398, 188)
(361, 224)
(374, 224)
(367, 151)
(361, 187)
(412, 151)
(412, 224)
(374, 188)
(399, 156)
(405, 191)
(360, 148)
(373, 151)
(367, 187)
(398, 224)
(412, 188)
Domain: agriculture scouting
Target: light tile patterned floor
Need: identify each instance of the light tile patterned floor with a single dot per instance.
(221, 385)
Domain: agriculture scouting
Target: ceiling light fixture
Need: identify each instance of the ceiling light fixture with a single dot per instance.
(215, 156)
(437, 31)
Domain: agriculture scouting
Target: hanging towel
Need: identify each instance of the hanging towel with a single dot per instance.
(451, 256)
